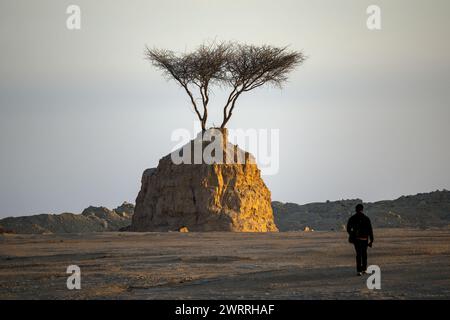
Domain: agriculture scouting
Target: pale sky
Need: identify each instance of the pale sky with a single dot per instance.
(82, 114)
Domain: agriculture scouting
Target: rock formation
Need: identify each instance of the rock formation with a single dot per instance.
(204, 196)
(92, 219)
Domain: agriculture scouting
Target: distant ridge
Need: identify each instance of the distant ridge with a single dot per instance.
(92, 219)
(423, 210)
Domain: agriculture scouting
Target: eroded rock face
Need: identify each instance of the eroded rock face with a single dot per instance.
(204, 197)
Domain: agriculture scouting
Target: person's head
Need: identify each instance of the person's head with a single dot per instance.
(359, 208)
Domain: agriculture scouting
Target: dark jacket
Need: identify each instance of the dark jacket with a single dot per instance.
(359, 226)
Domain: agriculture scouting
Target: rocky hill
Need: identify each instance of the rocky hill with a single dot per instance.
(424, 210)
(92, 219)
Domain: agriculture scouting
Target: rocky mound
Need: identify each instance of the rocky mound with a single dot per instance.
(92, 219)
(5, 231)
(218, 196)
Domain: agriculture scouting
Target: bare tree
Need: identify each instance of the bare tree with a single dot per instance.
(196, 70)
(239, 66)
(249, 67)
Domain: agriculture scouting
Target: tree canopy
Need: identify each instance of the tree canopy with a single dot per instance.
(240, 67)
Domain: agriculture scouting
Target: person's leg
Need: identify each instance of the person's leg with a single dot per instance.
(358, 255)
(364, 246)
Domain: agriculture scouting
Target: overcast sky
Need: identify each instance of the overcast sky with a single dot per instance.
(83, 114)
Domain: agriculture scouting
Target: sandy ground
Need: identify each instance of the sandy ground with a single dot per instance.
(293, 265)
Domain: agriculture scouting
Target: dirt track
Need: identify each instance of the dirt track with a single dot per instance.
(295, 265)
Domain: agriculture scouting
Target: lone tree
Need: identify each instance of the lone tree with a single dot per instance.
(240, 67)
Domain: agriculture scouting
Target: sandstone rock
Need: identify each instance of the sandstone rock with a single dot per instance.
(5, 231)
(204, 197)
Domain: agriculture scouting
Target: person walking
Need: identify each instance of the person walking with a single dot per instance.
(360, 233)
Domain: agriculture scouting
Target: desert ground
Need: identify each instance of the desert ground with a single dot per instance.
(415, 264)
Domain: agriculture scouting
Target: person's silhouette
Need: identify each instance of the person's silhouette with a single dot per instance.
(360, 233)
